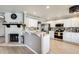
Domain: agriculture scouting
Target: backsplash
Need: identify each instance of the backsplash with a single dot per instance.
(67, 29)
(72, 29)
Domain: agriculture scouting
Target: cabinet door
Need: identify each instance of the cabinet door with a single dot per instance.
(75, 22)
(71, 22)
(68, 23)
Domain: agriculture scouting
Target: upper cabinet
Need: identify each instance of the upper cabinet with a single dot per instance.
(71, 22)
(53, 23)
(75, 22)
(67, 23)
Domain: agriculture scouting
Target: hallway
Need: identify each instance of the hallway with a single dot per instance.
(59, 47)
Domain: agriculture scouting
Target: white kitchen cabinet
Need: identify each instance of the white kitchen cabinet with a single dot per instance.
(71, 37)
(75, 22)
(67, 36)
(71, 22)
(75, 37)
(67, 23)
(53, 23)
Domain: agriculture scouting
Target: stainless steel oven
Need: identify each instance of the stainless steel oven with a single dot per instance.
(58, 33)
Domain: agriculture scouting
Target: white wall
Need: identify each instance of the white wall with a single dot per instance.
(1, 27)
(52, 23)
(19, 18)
(30, 22)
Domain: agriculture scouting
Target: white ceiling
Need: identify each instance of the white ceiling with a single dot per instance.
(39, 10)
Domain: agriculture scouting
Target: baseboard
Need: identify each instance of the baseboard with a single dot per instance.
(74, 43)
(2, 36)
(71, 42)
(31, 49)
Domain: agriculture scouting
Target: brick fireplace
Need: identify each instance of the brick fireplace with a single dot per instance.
(13, 26)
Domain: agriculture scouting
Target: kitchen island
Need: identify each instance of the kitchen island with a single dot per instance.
(38, 42)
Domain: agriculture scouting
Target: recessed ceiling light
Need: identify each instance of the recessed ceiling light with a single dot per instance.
(34, 13)
(47, 7)
(48, 18)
